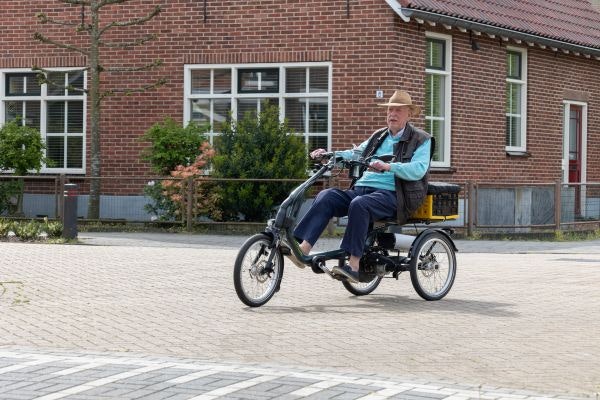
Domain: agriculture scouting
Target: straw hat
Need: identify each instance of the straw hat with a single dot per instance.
(401, 98)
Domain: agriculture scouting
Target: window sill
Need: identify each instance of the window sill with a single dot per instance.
(442, 170)
(524, 154)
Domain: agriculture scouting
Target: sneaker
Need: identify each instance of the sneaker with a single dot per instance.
(346, 272)
(286, 251)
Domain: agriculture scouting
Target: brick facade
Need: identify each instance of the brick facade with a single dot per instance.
(370, 49)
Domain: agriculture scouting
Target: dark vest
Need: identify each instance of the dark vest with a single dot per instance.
(409, 194)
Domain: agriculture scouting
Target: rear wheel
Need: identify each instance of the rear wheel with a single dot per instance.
(362, 288)
(433, 266)
(256, 282)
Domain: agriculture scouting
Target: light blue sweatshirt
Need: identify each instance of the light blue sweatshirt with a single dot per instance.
(412, 171)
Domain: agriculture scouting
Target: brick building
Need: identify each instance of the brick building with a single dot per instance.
(510, 90)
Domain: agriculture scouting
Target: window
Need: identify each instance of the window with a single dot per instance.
(301, 91)
(438, 70)
(516, 100)
(56, 109)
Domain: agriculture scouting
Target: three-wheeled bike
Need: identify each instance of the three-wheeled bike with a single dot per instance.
(429, 256)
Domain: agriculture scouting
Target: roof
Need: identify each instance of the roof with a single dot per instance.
(575, 22)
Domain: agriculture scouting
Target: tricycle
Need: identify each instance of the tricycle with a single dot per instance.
(428, 256)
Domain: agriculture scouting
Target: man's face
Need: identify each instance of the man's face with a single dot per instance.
(397, 117)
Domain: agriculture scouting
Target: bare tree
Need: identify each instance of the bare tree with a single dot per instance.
(95, 31)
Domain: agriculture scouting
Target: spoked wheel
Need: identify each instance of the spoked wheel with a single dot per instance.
(433, 266)
(362, 288)
(255, 282)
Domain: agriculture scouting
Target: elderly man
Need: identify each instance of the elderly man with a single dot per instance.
(385, 190)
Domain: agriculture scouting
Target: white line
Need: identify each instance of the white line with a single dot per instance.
(314, 388)
(213, 394)
(384, 393)
(78, 368)
(27, 364)
(192, 376)
(102, 382)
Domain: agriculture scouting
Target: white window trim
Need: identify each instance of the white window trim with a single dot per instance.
(43, 98)
(281, 95)
(523, 83)
(447, 73)
(584, 132)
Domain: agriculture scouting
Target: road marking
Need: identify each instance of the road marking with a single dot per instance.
(192, 376)
(102, 382)
(314, 388)
(213, 394)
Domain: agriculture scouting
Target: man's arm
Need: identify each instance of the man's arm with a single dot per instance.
(418, 165)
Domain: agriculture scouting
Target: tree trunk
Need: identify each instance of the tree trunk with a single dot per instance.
(94, 95)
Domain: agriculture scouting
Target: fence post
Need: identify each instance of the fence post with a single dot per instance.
(60, 201)
(471, 209)
(557, 205)
(69, 216)
(190, 200)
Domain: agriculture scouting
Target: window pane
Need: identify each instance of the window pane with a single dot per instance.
(247, 106)
(75, 117)
(317, 117)
(56, 85)
(295, 111)
(22, 85)
(15, 85)
(200, 81)
(74, 152)
(317, 142)
(32, 85)
(55, 150)
(258, 81)
(319, 79)
(56, 117)
(434, 95)
(32, 114)
(13, 110)
(513, 65)
(222, 108)
(436, 54)
(295, 80)
(201, 110)
(513, 98)
(513, 131)
(436, 128)
(76, 81)
(222, 81)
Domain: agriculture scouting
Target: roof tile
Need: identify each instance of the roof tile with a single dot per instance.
(572, 21)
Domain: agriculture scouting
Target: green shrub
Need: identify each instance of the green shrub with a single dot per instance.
(171, 144)
(54, 229)
(257, 148)
(28, 230)
(6, 226)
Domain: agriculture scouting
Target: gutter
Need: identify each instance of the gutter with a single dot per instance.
(407, 13)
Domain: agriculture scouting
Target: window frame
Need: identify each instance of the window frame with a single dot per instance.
(281, 95)
(447, 73)
(521, 148)
(44, 98)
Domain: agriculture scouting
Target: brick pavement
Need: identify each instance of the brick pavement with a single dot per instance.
(526, 320)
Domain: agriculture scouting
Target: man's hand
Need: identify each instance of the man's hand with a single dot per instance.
(379, 165)
(317, 153)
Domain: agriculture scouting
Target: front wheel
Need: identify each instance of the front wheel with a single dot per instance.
(433, 266)
(255, 281)
(362, 288)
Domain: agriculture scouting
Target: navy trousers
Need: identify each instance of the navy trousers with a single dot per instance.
(363, 205)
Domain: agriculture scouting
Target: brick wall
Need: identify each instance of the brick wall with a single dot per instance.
(370, 49)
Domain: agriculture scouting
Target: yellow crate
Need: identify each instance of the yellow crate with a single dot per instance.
(438, 207)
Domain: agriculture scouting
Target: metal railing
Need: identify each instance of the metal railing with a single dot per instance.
(483, 206)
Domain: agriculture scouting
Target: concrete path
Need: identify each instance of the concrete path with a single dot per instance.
(155, 316)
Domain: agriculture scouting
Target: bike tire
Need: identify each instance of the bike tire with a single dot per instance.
(362, 288)
(253, 284)
(433, 266)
